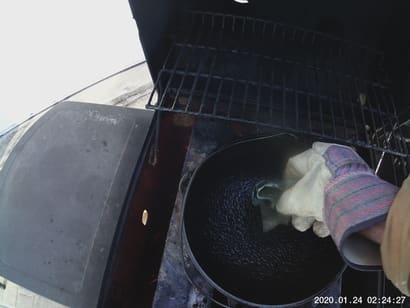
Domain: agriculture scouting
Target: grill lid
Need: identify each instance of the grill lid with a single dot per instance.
(62, 190)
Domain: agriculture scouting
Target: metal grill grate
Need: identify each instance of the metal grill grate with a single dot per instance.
(261, 72)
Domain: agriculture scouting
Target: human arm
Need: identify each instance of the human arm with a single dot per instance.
(336, 190)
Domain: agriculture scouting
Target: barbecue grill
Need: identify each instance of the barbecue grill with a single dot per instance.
(334, 72)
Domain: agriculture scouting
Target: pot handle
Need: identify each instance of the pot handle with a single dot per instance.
(183, 183)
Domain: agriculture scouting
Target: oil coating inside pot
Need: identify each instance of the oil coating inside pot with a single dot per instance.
(224, 229)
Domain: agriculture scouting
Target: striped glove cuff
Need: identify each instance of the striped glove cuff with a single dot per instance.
(355, 201)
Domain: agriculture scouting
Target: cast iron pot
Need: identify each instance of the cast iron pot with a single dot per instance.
(226, 253)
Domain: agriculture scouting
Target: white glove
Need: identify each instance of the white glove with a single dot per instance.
(305, 200)
(339, 194)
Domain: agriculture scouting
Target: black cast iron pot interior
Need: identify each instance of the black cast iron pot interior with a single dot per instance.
(224, 229)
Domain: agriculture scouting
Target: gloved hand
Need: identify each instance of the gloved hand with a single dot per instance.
(336, 192)
(305, 200)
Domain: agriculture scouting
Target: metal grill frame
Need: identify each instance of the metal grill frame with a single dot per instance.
(385, 144)
(365, 106)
